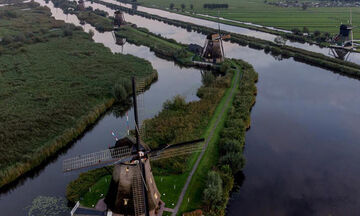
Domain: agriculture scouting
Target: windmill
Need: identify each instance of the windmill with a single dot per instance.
(213, 50)
(119, 18)
(343, 43)
(132, 190)
(81, 5)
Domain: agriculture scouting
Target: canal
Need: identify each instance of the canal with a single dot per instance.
(301, 149)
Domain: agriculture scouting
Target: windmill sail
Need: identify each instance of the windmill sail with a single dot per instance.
(96, 158)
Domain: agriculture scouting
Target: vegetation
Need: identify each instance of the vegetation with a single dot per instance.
(96, 18)
(232, 141)
(162, 47)
(54, 82)
(100, 22)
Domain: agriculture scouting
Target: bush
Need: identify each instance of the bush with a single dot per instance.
(213, 190)
(230, 145)
(236, 161)
(177, 103)
(208, 78)
(67, 31)
(119, 92)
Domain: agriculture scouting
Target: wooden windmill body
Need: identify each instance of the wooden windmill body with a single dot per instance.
(132, 190)
(119, 18)
(81, 5)
(213, 50)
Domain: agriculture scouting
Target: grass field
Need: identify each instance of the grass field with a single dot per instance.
(54, 82)
(256, 11)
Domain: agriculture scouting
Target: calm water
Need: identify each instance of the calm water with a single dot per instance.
(301, 149)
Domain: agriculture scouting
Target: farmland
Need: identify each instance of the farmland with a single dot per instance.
(324, 19)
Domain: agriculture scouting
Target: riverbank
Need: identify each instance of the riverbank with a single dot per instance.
(48, 65)
(162, 47)
(224, 156)
(285, 51)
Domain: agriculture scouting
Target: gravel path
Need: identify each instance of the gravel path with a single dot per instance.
(181, 197)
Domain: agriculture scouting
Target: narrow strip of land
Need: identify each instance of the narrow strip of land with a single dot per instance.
(188, 180)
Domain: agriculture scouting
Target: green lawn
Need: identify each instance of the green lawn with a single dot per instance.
(256, 11)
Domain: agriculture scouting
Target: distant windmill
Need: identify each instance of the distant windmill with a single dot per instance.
(343, 43)
(132, 189)
(119, 18)
(213, 50)
(81, 5)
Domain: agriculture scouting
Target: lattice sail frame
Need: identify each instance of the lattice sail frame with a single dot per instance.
(96, 158)
(174, 152)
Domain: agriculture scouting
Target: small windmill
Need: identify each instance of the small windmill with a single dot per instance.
(81, 5)
(343, 43)
(119, 18)
(213, 50)
(132, 189)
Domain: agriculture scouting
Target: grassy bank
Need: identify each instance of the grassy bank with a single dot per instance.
(305, 56)
(55, 82)
(224, 161)
(162, 47)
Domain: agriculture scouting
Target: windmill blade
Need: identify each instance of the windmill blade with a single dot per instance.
(138, 185)
(161, 148)
(96, 158)
(179, 151)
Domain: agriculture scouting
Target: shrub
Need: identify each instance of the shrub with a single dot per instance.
(230, 145)
(172, 6)
(119, 92)
(236, 161)
(177, 103)
(213, 190)
(208, 78)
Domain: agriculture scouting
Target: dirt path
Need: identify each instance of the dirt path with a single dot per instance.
(181, 197)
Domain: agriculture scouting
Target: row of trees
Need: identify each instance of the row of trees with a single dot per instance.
(316, 35)
(215, 6)
(183, 6)
(220, 181)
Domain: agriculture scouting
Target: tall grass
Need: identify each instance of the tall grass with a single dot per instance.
(54, 90)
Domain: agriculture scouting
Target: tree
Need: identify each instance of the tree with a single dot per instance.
(296, 31)
(172, 6)
(183, 6)
(317, 33)
(213, 191)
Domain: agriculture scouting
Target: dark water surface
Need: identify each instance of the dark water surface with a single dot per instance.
(302, 149)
